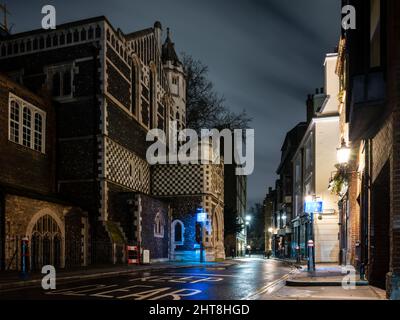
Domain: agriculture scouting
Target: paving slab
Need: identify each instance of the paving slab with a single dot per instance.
(328, 293)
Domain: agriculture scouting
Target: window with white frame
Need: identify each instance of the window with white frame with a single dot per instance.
(59, 80)
(26, 124)
(159, 226)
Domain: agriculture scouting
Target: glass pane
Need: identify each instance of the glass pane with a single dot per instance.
(178, 232)
(67, 83)
(56, 83)
(26, 132)
(38, 132)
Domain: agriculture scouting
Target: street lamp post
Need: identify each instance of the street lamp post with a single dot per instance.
(248, 219)
(310, 242)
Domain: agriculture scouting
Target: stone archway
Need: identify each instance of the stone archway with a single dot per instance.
(46, 234)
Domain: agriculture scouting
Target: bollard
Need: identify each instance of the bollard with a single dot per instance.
(24, 258)
(297, 254)
(362, 271)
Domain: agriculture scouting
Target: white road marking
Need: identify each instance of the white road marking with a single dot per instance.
(62, 291)
(104, 294)
(206, 274)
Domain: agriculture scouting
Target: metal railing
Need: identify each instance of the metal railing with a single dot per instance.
(60, 252)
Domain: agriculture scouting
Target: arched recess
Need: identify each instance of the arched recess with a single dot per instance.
(159, 225)
(46, 234)
(218, 225)
(177, 233)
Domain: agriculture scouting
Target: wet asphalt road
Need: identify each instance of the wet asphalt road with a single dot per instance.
(236, 280)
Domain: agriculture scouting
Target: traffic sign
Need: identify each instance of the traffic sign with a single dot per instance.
(313, 206)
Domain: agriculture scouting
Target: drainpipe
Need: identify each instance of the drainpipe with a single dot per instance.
(2, 232)
(365, 211)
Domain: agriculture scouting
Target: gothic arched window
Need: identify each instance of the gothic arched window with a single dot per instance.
(46, 243)
(159, 225)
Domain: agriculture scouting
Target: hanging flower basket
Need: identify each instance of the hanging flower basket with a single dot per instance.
(339, 182)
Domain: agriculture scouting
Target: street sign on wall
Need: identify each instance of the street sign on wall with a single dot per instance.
(201, 215)
(313, 206)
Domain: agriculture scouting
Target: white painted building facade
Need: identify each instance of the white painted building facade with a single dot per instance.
(314, 162)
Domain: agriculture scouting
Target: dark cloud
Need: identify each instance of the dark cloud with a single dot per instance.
(264, 56)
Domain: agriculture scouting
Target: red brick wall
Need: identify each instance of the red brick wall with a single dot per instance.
(354, 219)
(394, 101)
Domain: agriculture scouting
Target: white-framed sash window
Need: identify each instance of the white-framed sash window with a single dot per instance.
(26, 125)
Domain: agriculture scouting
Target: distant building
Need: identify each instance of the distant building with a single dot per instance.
(284, 191)
(269, 209)
(235, 199)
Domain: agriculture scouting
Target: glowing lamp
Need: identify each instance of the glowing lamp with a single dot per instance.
(343, 153)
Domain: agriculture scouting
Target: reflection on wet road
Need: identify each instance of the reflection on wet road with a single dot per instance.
(234, 280)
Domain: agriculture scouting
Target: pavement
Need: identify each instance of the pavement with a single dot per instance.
(327, 282)
(325, 275)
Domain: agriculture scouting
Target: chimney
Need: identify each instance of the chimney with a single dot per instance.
(158, 34)
(310, 107)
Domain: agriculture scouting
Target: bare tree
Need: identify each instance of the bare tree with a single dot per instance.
(205, 108)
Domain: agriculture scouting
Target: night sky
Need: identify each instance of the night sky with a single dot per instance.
(264, 56)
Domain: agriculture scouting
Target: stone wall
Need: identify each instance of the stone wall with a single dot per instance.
(184, 209)
(21, 215)
(158, 244)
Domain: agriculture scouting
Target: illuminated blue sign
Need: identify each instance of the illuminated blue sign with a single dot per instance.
(201, 215)
(313, 207)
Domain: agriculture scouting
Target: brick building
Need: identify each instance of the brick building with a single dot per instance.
(269, 209)
(369, 100)
(235, 199)
(29, 204)
(108, 89)
(284, 196)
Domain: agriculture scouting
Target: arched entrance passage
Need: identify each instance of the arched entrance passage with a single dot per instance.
(46, 241)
